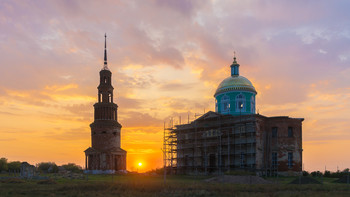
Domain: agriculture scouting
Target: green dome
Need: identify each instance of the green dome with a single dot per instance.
(235, 83)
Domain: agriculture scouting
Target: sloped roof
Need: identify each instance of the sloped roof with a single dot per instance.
(209, 115)
(112, 150)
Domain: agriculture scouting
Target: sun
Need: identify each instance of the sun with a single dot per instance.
(140, 164)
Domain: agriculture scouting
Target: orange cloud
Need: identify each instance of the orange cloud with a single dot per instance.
(57, 88)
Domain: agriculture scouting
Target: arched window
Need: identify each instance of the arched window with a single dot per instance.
(252, 104)
(225, 104)
(240, 103)
(216, 105)
(105, 80)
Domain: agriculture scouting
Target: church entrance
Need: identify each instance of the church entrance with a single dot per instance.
(212, 162)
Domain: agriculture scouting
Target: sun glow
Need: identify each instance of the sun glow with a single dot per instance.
(140, 164)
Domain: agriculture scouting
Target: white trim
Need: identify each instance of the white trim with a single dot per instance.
(224, 93)
(252, 104)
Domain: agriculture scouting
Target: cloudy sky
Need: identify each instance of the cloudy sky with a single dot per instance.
(167, 58)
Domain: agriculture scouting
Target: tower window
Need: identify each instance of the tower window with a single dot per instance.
(240, 103)
(290, 131)
(274, 132)
(226, 106)
(274, 160)
(225, 102)
(290, 160)
(105, 79)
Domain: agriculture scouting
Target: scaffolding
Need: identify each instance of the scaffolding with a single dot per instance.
(193, 150)
(170, 143)
(217, 147)
(170, 147)
(217, 143)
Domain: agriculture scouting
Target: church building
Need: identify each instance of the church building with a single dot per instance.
(105, 156)
(235, 137)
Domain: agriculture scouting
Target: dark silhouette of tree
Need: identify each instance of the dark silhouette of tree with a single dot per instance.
(14, 166)
(47, 167)
(72, 167)
(3, 164)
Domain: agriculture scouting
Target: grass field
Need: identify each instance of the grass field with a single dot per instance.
(137, 185)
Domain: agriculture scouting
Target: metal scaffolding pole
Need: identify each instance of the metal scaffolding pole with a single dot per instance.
(169, 147)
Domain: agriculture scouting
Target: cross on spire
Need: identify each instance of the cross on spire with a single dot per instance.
(234, 57)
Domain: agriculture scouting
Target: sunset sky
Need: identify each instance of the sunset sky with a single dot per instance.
(167, 58)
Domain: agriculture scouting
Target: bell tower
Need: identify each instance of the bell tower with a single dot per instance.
(105, 154)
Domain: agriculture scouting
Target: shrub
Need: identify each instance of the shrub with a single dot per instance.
(316, 173)
(72, 167)
(14, 166)
(3, 164)
(47, 167)
(306, 173)
(327, 173)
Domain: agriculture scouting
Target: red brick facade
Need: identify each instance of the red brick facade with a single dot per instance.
(105, 154)
(219, 143)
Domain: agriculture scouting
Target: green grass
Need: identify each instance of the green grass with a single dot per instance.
(287, 180)
(138, 185)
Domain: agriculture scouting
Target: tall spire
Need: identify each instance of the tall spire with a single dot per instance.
(105, 67)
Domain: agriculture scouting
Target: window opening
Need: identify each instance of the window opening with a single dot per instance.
(240, 103)
(290, 131)
(242, 159)
(274, 132)
(290, 160)
(225, 101)
(274, 160)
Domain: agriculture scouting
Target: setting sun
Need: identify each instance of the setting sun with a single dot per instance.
(140, 164)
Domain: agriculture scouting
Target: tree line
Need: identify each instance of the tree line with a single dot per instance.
(44, 167)
(327, 173)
